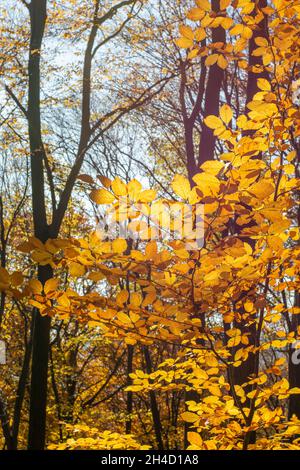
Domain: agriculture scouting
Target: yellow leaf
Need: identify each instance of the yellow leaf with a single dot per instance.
(181, 186)
(213, 167)
(119, 245)
(149, 299)
(64, 300)
(184, 43)
(211, 399)
(148, 195)
(208, 184)
(222, 62)
(193, 53)
(226, 113)
(224, 4)
(123, 318)
(119, 187)
(195, 439)
(262, 42)
(50, 285)
(200, 374)
(189, 417)
(213, 122)
(204, 4)
(234, 341)
(262, 189)
(96, 276)
(200, 34)
(102, 196)
(248, 306)
(41, 257)
(211, 59)
(263, 84)
(196, 14)
(186, 32)
(182, 253)
(35, 286)
(151, 249)
(134, 188)
(237, 29)
(226, 23)
(135, 299)
(122, 297)
(76, 269)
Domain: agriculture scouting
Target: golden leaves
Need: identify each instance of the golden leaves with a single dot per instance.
(204, 4)
(226, 114)
(122, 298)
(224, 4)
(35, 286)
(186, 32)
(119, 245)
(208, 184)
(213, 122)
(102, 196)
(196, 14)
(50, 285)
(181, 186)
(184, 43)
(212, 167)
(217, 123)
(118, 187)
(189, 417)
(148, 195)
(222, 61)
(195, 439)
(262, 189)
(76, 269)
(263, 84)
(244, 31)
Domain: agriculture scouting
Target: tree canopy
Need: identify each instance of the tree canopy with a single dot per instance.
(149, 224)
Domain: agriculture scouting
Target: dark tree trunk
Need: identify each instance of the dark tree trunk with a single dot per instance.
(212, 96)
(294, 366)
(153, 403)
(247, 324)
(41, 325)
(129, 398)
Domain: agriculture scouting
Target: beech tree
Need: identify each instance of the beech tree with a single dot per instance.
(151, 340)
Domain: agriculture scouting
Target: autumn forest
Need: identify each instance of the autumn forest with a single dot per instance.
(149, 225)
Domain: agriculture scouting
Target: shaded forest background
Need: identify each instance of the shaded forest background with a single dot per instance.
(137, 344)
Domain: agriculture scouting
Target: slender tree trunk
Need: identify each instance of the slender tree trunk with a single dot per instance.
(129, 400)
(247, 323)
(294, 366)
(21, 390)
(153, 403)
(212, 96)
(4, 420)
(41, 325)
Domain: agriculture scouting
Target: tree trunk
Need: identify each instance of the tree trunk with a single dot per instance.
(41, 325)
(294, 366)
(153, 403)
(129, 398)
(212, 96)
